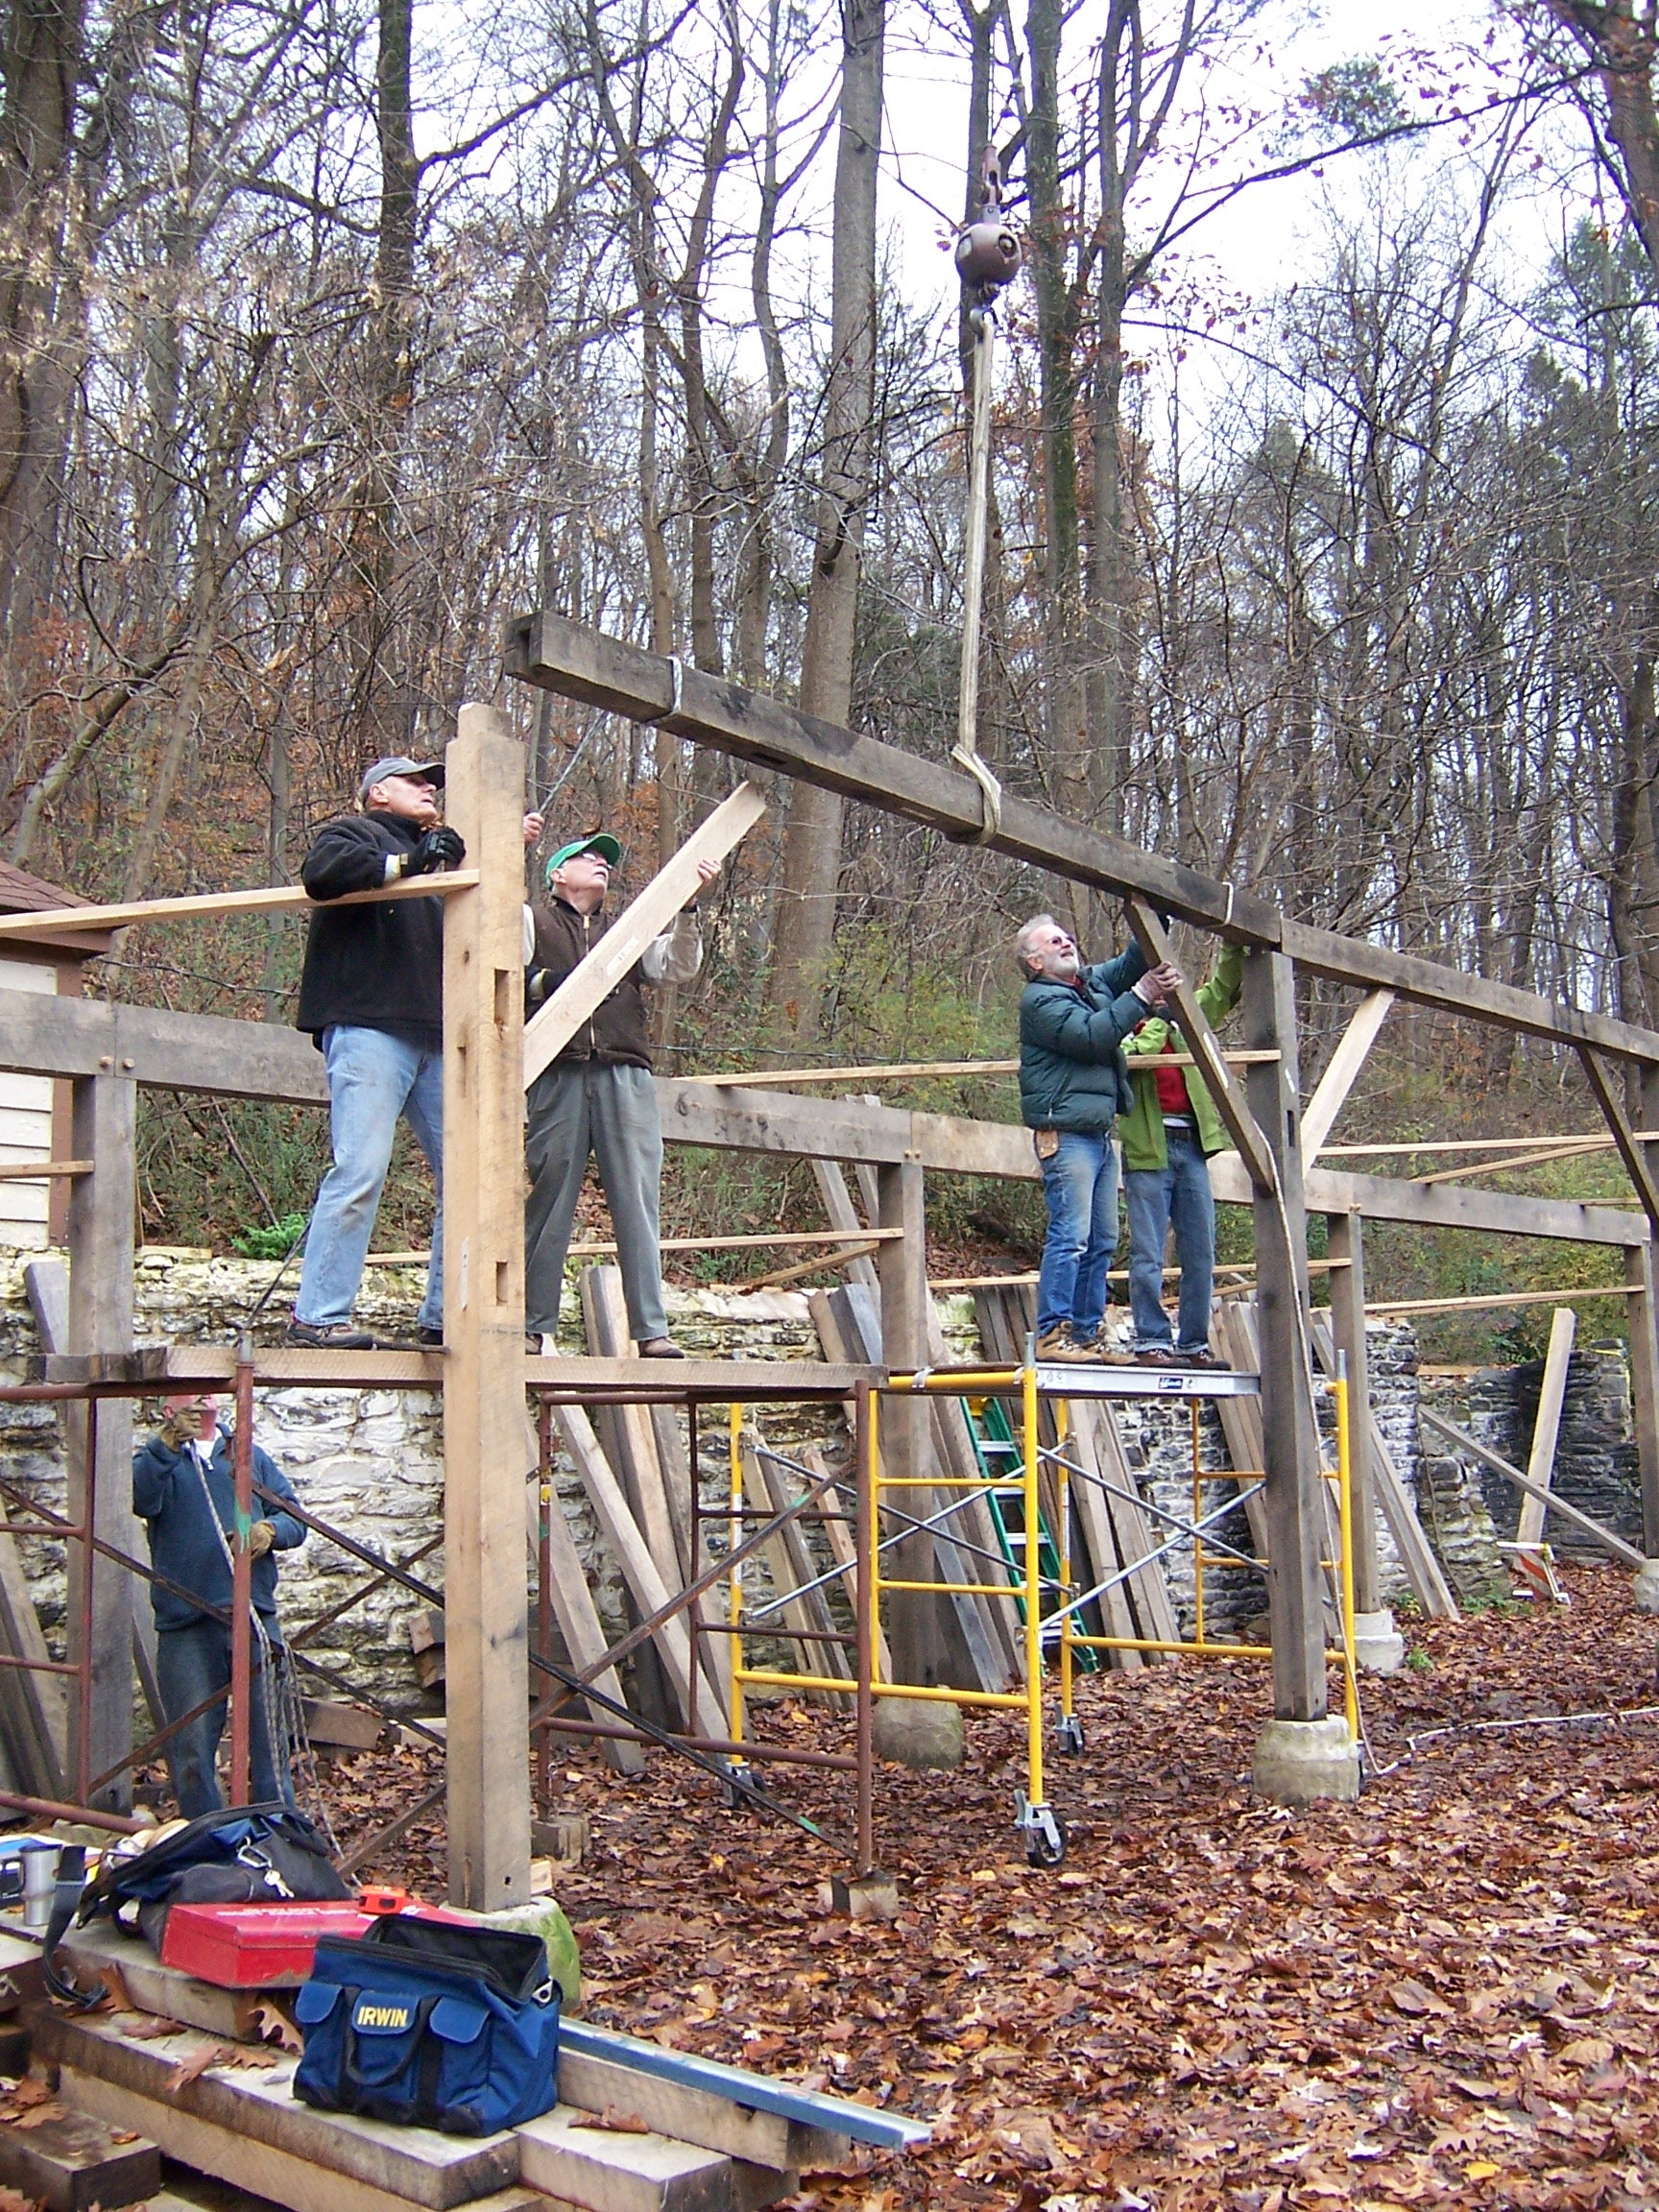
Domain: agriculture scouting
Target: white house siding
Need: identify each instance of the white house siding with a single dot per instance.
(25, 1122)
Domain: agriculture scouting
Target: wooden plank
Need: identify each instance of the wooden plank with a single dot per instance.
(1443, 1206)
(262, 2169)
(279, 899)
(1417, 1556)
(1095, 1520)
(843, 1549)
(38, 1170)
(649, 1590)
(1345, 1240)
(1605, 1537)
(640, 923)
(414, 2164)
(1353, 1049)
(1296, 1488)
(1643, 1311)
(1605, 1088)
(69, 2162)
(602, 2171)
(629, 1438)
(103, 1208)
(485, 1656)
(578, 1619)
(1206, 1047)
(843, 1217)
(166, 1991)
(560, 655)
(1147, 1586)
(793, 1567)
(1547, 1428)
(691, 2115)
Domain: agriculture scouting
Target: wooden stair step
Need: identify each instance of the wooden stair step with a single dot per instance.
(73, 2162)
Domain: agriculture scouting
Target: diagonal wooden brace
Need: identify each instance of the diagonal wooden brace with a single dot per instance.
(1207, 1056)
(1631, 1150)
(591, 981)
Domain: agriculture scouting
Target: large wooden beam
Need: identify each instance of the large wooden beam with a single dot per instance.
(41, 1034)
(582, 663)
(487, 1654)
(1606, 1088)
(1295, 1504)
(102, 1211)
(1443, 1206)
(1320, 1114)
(1625, 1554)
(1345, 1240)
(642, 921)
(1206, 1049)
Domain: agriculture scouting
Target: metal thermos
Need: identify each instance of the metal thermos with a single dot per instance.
(39, 1885)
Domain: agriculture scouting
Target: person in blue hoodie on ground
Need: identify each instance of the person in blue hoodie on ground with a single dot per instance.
(184, 1490)
(1073, 1084)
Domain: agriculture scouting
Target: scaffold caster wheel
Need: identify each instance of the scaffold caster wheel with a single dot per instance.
(1044, 1831)
(1069, 1735)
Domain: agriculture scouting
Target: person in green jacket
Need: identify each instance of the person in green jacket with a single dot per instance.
(1168, 1135)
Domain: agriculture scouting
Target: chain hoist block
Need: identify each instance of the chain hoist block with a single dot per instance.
(988, 253)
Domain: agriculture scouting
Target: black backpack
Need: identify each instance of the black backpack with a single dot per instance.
(253, 1853)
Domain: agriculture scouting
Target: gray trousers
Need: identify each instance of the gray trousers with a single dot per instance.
(612, 1112)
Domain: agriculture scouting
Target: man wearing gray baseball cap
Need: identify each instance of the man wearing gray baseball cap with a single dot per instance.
(371, 994)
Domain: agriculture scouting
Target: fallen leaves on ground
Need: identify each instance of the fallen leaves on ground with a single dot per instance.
(1445, 1993)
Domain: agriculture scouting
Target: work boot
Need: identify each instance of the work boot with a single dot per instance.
(659, 1348)
(531, 1344)
(1059, 1343)
(1201, 1355)
(1156, 1356)
(429, 1339)
(328, 1336)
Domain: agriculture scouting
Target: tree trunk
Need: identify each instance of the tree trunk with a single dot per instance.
(812, 841)
(43, 59)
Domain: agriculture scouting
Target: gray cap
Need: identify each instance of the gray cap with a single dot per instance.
(429, 771)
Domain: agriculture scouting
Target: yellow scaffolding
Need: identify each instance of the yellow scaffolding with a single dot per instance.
(1050, 1615)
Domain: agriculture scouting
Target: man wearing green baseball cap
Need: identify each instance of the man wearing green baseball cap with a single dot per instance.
(598, 1096)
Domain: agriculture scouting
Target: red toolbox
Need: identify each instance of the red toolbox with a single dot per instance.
(255, 1946)
(268, 1946)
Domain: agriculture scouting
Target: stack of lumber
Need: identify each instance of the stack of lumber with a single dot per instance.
(638, 2129)
(1110, 1528)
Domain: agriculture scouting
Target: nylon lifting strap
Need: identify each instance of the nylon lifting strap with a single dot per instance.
(966, 749)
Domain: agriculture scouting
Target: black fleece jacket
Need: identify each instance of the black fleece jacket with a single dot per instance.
(378, 967)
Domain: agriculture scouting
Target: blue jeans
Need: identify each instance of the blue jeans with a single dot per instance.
(193, 1663)
(1080, 1183)
(373, 1078)
(1177, 1195)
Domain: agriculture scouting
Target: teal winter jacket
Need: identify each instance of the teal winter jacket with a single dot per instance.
(1072, 1073)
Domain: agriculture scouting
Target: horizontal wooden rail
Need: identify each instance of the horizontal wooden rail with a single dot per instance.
(896, 1071)
(42, 1170)
(277, 898)
(1476, 1304)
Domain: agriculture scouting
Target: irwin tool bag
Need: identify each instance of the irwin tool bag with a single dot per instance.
(430, 2025)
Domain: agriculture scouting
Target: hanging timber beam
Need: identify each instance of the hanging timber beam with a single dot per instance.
(1353, 1049)
(581, 663)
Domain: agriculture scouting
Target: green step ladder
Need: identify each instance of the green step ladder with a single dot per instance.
(1001, 1463)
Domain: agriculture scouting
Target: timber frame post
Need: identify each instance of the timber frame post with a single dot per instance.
(102, 1214)
(916, 1631)
(1345, 1242)
(1296, 1522)
(486, 1579)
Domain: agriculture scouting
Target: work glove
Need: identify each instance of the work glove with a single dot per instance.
(261, 1538)
(537, 985)
(440, 847)
(181, 1428)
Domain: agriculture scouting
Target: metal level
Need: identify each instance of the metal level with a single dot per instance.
(835, 2115)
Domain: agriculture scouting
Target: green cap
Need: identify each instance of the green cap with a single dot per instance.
(601, 841)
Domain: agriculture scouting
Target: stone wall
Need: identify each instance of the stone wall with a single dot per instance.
(371, 1463)
(1596, 1467)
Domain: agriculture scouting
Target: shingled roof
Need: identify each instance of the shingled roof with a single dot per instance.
(21, 892)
